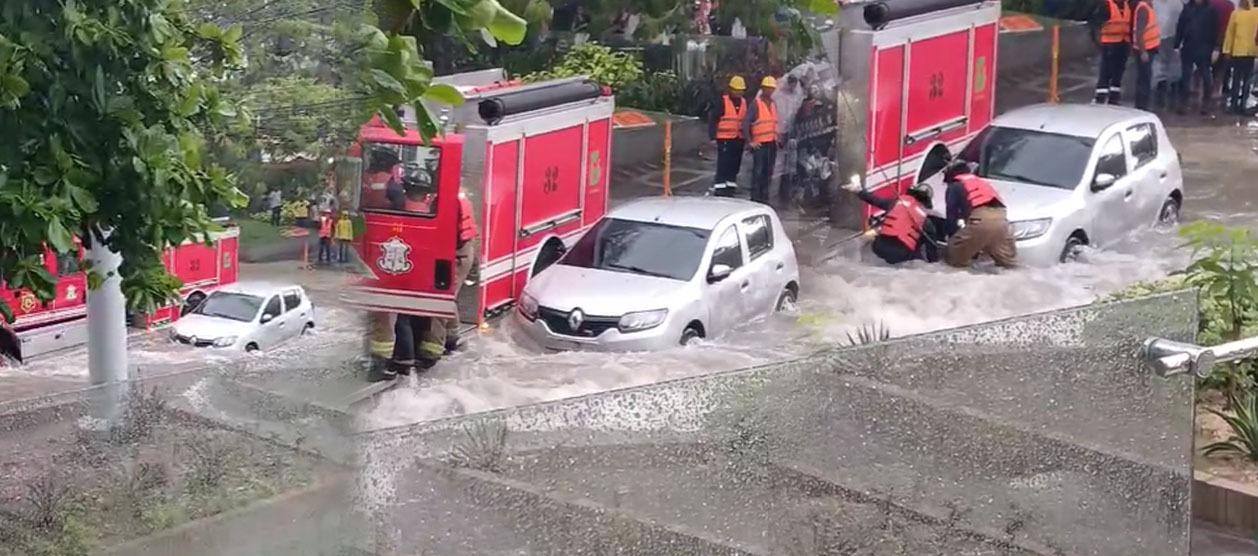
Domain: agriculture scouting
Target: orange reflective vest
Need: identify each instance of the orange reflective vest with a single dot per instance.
(905, 221)
(730, 126)
(1116, 29)
(325, 226)
(977, 191)
(467, 222)
(765, 128)
(1152, 33)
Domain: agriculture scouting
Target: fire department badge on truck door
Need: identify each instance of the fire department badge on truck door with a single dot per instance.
(395, 256)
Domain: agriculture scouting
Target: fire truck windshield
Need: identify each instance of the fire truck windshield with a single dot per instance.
(1030, 156)
(228, 305)
(643, 248)
(400, 178)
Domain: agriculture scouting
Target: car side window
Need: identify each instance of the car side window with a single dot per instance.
(1143, 139)
(728, 249)
(273, 307)
(758, 230)
(292, 299)
(1113, 160)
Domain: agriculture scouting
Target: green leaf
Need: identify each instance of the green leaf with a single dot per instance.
(822, 7)
(82, 198)
(387, 81)
(445, 94)
(44, 175)
(14, 85)
(508, 27)
(60, 238)
(6, 312)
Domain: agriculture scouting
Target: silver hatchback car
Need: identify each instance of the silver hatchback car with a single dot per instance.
(1075, 174)
(660, 272)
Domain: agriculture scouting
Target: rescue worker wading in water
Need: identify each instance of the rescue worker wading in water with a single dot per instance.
(907, 229)
(411, 331)
(986, 231)
(443, 334)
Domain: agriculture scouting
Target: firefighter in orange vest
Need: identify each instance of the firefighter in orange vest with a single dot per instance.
(1113, 17)
(908, 231)
(1146, 38)
(443, 334)
(976, 220)
(762, 132)
(726, 127)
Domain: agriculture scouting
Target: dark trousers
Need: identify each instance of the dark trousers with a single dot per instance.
(325, 249)
(275, 216)
(408, 333)
(1144, 79)
(729, 161)
(1109, 84)
(762, 161)
(1242, 83)
(343, 248)
(1196, 64)
(892, 250)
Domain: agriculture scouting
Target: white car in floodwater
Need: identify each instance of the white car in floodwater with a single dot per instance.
(1076, 174)
(247, 316)
(660, 272)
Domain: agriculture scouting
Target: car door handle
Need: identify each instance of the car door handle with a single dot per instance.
(745, 286)
(1163, 174)
(781, 266)
(1127, 194)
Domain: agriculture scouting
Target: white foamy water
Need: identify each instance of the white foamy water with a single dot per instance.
(847, 292)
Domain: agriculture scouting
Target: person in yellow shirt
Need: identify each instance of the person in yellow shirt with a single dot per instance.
(1240, 45)
(344, 236)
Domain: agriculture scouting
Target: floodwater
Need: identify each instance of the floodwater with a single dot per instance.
(839, 297)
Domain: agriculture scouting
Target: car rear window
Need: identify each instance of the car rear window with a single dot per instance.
(291, 300)
(646, 248)
(1029, 156)
(758, 230)
(1143, 139)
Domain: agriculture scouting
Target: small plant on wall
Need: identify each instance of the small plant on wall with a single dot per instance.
(1243, 421)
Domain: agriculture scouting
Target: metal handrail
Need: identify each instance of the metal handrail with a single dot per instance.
(1169, 358)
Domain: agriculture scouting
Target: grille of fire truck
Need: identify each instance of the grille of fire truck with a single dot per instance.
(591, 327)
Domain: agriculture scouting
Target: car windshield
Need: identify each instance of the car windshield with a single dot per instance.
(645, 248)
(235, 306)
(1029, 156)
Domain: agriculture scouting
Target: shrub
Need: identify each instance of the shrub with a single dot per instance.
(1244, 424)
(483, 448)
(600, 63)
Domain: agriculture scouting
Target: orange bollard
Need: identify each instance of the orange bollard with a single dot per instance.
(668, 158)
(1052, 76)
(305, 252)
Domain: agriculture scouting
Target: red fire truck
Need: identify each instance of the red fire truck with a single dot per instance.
(534, 160)
(62, 323)
(917, 81)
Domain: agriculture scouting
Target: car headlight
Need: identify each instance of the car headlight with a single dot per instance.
(1030, 229)
(225, 341)
(528, 306)
(642, 320)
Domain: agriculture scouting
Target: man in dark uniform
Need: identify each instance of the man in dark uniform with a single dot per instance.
(972, 200)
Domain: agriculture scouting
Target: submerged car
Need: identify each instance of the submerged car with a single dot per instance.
(247, 316)
(656, 273)
(1077, 175)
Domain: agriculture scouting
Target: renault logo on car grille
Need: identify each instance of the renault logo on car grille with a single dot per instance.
(575, 319)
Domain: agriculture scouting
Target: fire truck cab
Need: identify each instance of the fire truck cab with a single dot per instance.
(917, 82)
(533, 160)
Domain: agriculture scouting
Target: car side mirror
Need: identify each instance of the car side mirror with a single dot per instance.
(719, 273)
(267, 318)
(1103, 182)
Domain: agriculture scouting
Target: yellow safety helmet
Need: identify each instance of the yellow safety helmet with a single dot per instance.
(736, 83)
(769, 82)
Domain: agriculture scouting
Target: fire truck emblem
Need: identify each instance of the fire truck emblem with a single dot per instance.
(936, 85)
(395, 256)
(596, 169)
(575, 319)
(72, 293)
(551, 184)
(27, 303)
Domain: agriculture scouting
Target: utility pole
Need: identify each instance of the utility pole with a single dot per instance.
(106, 330)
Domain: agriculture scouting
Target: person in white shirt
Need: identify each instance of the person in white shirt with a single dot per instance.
(275, 202)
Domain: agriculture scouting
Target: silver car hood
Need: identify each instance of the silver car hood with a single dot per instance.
(1028, 202)
(601, 292)
(210, 328)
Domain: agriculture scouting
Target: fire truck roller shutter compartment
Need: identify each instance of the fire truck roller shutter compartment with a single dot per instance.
(494, 109)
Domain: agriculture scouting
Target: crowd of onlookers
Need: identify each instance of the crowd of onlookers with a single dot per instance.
(1190, 53)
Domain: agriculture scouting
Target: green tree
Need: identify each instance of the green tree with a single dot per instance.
(107, 105)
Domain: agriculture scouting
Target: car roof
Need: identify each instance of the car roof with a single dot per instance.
(1079, 120)
(690, 212)
(258, 288)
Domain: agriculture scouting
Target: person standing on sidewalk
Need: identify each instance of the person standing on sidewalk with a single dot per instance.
(1222, 70)
(1166, 66)
(326, 223)
(344, 237)
(1114, 22)
(1146, 37)
(726, 127)
(1196, 36)
(762, 131)
(1240, 45)
(275, 202)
